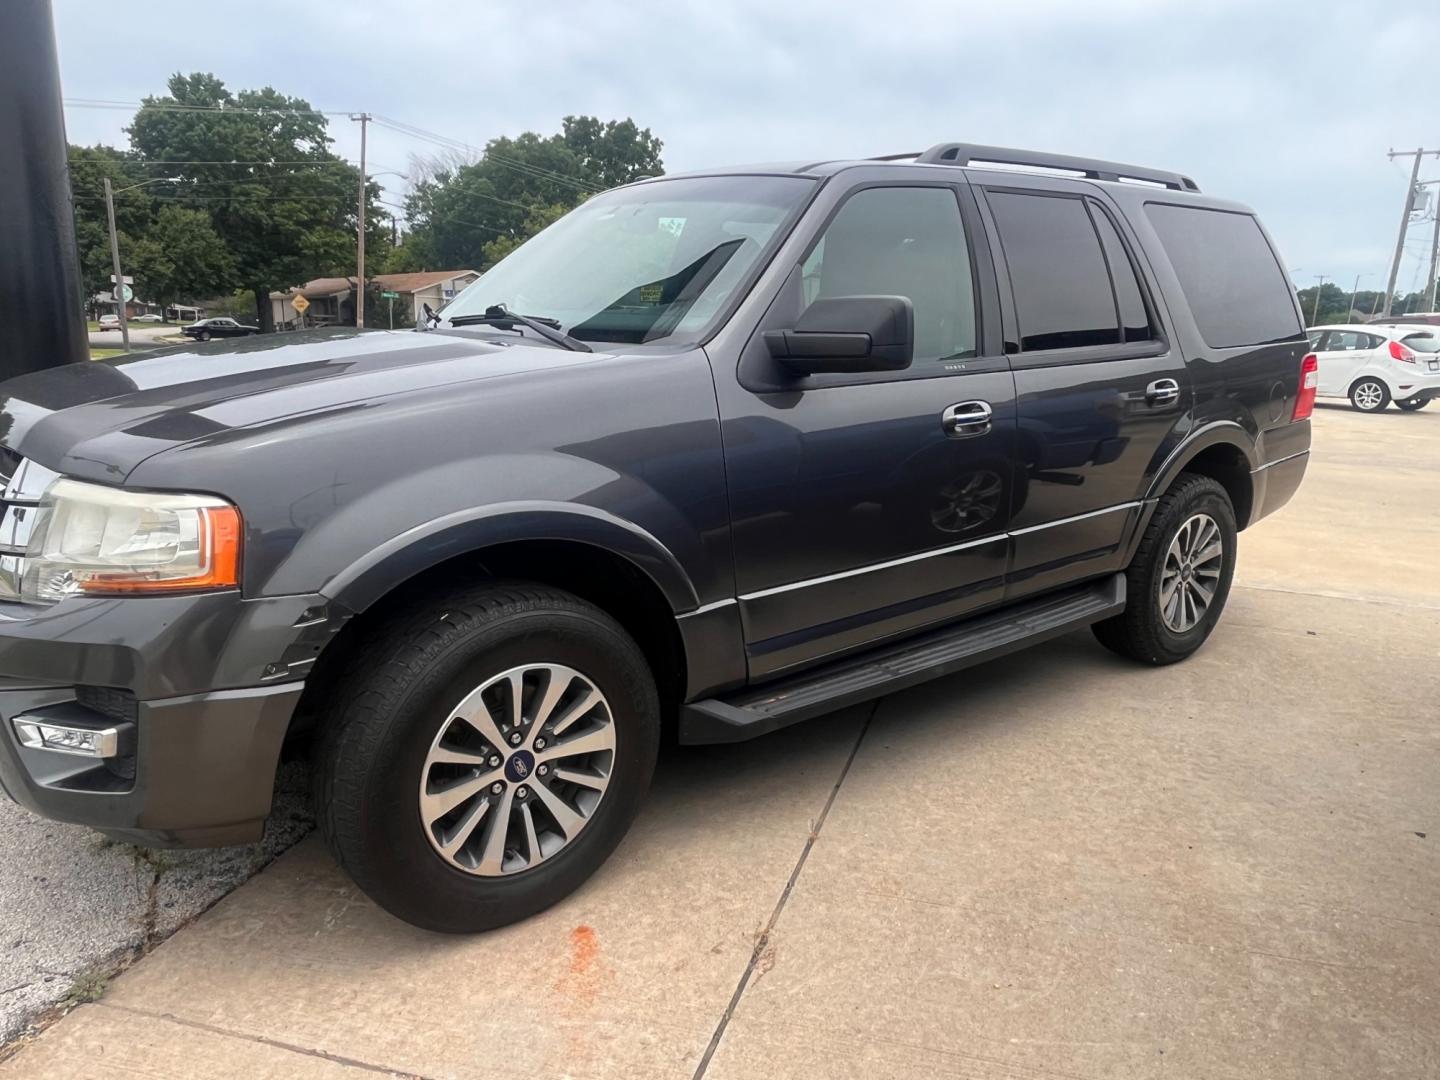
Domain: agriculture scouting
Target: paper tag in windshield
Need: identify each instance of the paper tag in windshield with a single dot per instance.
(651, 294)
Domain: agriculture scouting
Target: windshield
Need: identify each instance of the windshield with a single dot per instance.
(651, 262)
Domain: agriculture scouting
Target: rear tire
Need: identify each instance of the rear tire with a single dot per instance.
(378, 782)
(1369, 395)
(1413, 405)
(1166, 616)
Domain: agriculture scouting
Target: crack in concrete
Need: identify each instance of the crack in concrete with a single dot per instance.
(1326, 594)
(213, 1029)
(763, 946)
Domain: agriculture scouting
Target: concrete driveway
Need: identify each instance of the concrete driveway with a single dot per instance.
(1056, 865)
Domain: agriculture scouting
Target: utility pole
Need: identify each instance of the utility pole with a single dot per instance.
(115, 264)
(1434, 251)
(364, 119)
(1315, 308)
(1354, 292)
(120, 301)
(1404, 218)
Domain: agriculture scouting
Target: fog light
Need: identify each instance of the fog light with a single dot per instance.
(86, 742)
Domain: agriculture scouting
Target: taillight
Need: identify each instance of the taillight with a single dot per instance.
(1401, 353)
(1309, 380)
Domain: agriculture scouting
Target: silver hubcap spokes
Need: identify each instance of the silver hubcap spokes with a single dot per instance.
(1191, 573)
(517, 770)
(1369, 395)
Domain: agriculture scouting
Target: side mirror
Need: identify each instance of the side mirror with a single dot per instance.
(848, 334)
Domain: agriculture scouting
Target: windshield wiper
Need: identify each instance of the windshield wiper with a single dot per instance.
(501, 316)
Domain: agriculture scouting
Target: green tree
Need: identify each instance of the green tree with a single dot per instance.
(180, 258)
(471, 215)
(539, 218)
(89, 165)
(259, 165)
(1334, 305)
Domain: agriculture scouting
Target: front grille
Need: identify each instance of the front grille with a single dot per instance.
(22, 483)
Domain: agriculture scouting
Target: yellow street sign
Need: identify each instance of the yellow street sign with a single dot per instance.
(300, 304)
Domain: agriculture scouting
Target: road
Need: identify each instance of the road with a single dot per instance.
(1055, 865)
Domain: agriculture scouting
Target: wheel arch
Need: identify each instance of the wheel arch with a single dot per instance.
(1222, 451)
(467, 533)
(609, 563)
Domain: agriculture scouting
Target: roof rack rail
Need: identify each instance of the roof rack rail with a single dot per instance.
(966, 153)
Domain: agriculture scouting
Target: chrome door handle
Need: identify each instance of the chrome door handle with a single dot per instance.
(967, 419)
(1162, 392)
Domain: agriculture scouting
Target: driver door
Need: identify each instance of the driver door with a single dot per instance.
(860, 509)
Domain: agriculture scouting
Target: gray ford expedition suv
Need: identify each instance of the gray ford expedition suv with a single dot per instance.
(729, 449)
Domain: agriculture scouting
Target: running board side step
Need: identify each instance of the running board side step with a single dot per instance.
(761, 710)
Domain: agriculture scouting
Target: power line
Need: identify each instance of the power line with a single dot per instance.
(525, 168)
(182, 199)
(175, 106)
(454, 220)
(148, 161)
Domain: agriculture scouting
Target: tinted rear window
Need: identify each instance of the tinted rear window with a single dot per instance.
(1062, 287)
(1230, 277)
(1134, 319)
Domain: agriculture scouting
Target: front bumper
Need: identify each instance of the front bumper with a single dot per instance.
(209, 685)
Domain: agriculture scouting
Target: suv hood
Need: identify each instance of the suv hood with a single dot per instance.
(100, 419)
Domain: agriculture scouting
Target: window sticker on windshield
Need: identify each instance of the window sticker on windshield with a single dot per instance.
(651, 294)
(673, 225)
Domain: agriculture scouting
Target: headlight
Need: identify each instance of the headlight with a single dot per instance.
(106, 541)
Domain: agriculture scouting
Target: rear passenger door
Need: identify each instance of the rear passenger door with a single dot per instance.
(1100, 391)
(1341, 356)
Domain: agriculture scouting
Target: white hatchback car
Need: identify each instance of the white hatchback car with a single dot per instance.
(1375, 364)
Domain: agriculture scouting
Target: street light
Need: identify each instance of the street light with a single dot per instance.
(110, 194)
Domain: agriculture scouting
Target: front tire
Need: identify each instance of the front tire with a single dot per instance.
(1413, 405)
(1179, 579)
(452, 808)
(1369, 395)
(204, 335)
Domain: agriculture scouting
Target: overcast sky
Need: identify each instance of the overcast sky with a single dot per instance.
(1289, 107)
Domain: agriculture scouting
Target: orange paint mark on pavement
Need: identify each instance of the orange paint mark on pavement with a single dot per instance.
(584, 948)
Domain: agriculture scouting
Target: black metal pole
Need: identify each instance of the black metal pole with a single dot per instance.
(42, 316)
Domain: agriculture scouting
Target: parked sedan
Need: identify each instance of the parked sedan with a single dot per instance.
(1373, 365)
(205, 329)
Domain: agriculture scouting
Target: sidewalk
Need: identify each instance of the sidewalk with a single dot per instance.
(1056, 865)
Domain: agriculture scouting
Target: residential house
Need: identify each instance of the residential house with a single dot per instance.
(332, 300)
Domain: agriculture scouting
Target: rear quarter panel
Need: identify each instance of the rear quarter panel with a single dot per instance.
(1249, 390)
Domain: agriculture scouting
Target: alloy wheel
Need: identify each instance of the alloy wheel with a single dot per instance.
(517, 770)
(1369, 395)
(1191, 573)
